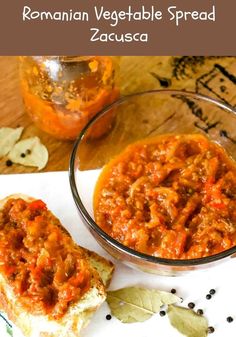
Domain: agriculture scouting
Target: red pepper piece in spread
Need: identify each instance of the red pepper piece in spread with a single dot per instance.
(37, 205)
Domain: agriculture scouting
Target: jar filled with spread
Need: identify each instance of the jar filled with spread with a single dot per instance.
(61, 93)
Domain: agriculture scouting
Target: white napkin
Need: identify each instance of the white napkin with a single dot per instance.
(54, 189)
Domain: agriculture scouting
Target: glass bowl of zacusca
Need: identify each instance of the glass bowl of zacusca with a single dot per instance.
(158, 191)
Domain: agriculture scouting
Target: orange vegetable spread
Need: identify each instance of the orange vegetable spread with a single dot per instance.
(63, 103)
(171, 196)
(45, 269)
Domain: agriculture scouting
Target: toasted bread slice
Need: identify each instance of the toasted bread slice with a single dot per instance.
(77, 315)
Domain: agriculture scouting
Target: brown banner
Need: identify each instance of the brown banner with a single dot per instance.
(85, 27)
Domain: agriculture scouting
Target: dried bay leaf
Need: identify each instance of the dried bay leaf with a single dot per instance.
(8, 138)
(134, 304)
(187, 321)
(29, 152)
(9, 330)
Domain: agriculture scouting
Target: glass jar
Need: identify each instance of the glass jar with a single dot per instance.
(61, 93)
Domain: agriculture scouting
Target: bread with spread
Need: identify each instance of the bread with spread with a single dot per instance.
(49, 286)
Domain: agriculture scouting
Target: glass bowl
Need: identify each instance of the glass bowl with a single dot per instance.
(140, 116)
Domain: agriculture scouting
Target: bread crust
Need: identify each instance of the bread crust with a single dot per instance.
(78, 314)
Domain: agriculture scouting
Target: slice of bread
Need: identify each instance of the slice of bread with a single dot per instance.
(77, 315)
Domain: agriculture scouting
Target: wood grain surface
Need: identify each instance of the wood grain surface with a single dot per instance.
(202, 74)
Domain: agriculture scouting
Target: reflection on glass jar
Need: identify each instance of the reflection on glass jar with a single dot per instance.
(61, 93)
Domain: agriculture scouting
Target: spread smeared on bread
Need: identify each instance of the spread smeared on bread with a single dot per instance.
(44, 276)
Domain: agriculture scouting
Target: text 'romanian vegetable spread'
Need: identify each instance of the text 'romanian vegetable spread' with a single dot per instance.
(171, 196)
(44, 267)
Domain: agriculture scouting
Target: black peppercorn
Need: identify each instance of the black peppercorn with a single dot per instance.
(162, 313)
(191, 305)
(210, 329)
(28, 151)
(22, 155)
(108, 317)
(208, 296)
(9, 163)
(200, 312)
(173, 291)
(212, 292)
(229, 319)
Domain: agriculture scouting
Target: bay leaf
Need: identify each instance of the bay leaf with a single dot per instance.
(29, 152)
(135, 304)
(9, 330)
(8, 138)
(187, 321)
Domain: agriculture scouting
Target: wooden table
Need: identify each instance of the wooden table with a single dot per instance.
(202, 74)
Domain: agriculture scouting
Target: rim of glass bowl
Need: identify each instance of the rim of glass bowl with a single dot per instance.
(92, 224)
